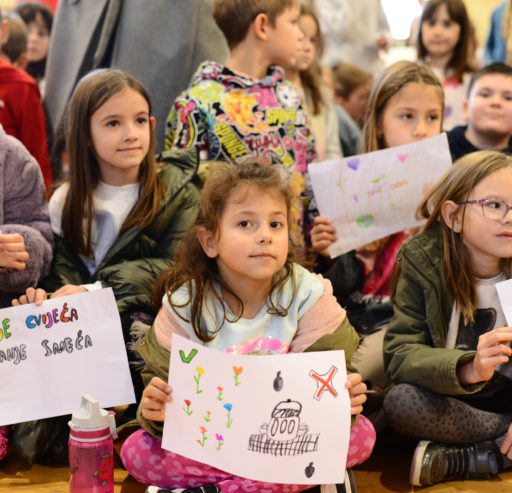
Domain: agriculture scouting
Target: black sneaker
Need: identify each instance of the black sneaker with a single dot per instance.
(436, 462)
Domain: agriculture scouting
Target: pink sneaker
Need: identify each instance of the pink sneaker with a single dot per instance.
(4, 431)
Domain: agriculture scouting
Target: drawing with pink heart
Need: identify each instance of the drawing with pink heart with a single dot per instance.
(403, 157)
(354, 163)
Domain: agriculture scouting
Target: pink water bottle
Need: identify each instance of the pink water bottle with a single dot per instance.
(91, 448)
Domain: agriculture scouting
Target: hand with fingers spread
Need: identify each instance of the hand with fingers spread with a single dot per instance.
(67, 290)
(356, 390)
(506, 446)
(31, 295)
(492, 349)
(13, 253)
(154, 397)
(322, 235)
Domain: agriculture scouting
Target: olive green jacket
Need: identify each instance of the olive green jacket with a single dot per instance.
(137, 257)
(415, 343)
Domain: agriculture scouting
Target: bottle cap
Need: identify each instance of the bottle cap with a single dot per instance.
(91, 417)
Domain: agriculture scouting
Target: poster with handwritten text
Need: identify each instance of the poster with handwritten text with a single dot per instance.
(52, 354)
(277, 418)
(370, 196)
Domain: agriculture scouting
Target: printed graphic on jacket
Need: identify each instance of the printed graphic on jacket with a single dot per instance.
(230, 116)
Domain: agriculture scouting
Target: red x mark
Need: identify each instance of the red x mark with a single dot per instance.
(323, 382)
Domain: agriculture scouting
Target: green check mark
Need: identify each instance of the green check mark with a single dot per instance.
(189, 358)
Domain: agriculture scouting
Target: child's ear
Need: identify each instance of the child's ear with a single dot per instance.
(260, 26)
(207, 241)
(153, 122)
(452, 215)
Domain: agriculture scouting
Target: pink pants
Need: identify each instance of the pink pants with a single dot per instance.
(146, 460)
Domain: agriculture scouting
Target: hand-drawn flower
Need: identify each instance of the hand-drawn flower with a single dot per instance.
(219, 396)
(228, 408)
(200, 371)
(238, 371)
(187, 410)
(203, 434)
(220, 441)
(208, 416)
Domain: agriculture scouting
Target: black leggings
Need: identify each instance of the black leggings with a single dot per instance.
(419, 413)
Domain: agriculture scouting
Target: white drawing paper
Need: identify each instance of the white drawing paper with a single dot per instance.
(52, 354)
(373, 195)
(504, 289)
(275, 418)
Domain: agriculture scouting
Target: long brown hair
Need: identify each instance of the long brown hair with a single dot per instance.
(311, 78)
(198, 272)
(457, 12)
(456, 185)
(387, 83)
(94, 90)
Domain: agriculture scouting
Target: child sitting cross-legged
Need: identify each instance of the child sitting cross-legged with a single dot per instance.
(447, 347)
(235, 271)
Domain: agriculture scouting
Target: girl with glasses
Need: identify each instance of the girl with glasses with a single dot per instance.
(447, 349)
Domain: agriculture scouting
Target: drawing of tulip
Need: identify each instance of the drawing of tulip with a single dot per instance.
(188, 410)
(237, 370)
(220, 439)
(204, 437)
(228, 408)
(200, 371)
(208, 416)
(219, 397)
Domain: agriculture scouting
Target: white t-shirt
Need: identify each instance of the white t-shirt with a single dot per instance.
(112, 204)
(488, 316)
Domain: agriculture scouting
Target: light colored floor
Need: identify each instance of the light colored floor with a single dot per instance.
(384, 472)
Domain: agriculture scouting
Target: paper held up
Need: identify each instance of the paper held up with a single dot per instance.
(281, 418)
(373, 195)
(52, 354)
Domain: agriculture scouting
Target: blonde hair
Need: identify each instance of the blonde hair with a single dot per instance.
(386, 85)
(456, 185)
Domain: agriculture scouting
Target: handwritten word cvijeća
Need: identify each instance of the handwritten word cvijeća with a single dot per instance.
(50, 318)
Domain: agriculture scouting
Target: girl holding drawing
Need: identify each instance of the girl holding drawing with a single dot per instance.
(406, 105)
(447, 347)
(235, 288)
(119, 219)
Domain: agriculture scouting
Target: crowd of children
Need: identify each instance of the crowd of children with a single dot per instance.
(216, 238)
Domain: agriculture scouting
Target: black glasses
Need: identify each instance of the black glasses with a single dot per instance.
(494, 209)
